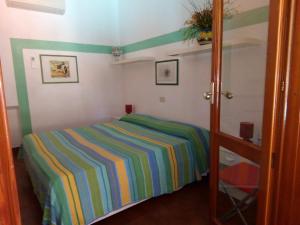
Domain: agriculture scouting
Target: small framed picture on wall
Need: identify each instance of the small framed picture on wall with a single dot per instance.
(59, 69)
(166, 72)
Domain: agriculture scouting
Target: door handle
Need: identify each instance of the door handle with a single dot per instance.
(209, 95)
(227, 94)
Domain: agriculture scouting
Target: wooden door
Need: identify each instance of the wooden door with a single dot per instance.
(256, 151)
(9, 203)
(287, 195)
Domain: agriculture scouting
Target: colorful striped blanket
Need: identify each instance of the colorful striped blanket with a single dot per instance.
(84, 173)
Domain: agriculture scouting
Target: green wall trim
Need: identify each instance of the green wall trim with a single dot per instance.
(60, 46)
(18, 62)
(247, 18)
(17, 46)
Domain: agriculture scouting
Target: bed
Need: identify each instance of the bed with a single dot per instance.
(81, 175)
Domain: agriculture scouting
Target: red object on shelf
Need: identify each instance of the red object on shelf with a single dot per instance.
(128, 109)
(246, 130)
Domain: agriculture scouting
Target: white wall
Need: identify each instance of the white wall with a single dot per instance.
(244, 69)
(183, 102)
(143, 19)
(83, 22)
(116, 22)
(92, 22)
(96, 97)
(243, 74)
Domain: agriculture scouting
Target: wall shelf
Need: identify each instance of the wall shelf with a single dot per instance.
(50, 6)
(12, 107)
(240, 43)
(134, 60)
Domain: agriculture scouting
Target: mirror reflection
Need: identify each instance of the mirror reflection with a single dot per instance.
(243, 71)
(238, 187)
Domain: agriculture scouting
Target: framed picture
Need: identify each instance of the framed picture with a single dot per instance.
(167, 72)
(59, 69)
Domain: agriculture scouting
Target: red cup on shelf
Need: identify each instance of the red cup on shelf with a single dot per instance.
(246, 130)
(128, 109)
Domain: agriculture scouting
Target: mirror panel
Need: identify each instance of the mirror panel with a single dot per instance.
(238, 187)
(244, 69)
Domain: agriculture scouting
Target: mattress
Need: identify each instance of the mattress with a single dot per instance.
(80, 175)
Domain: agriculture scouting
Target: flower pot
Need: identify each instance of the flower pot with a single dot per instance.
(205, 37)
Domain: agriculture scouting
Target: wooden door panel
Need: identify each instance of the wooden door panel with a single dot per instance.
(277, 50)
(295, 81)
(4, 210)
(9, 203)
(287, 195)
(295, 211)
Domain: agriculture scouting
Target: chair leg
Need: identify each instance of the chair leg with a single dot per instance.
(243, 205)
(240, 203)
(237, 207)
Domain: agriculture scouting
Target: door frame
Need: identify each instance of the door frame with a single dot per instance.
(9, 201)
(287, 185)
(275, 81)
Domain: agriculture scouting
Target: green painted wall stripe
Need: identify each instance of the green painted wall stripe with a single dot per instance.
(18, 61)
(247, 18)
(17, 46)
(60, 46)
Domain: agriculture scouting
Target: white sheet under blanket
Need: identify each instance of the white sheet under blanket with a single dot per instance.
(117, 211)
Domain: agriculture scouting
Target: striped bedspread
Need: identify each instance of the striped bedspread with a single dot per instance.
(85, 173)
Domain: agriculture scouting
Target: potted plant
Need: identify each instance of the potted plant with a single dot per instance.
(199, 26)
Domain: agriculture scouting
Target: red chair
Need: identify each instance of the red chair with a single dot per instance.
(243, 176)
